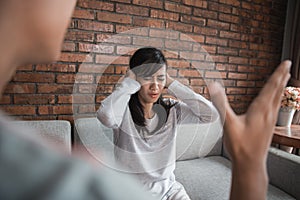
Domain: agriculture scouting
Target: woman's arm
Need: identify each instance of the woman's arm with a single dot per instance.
(113, 107)
(192, 105)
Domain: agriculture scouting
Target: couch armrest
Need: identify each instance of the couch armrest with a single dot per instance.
(284, 171)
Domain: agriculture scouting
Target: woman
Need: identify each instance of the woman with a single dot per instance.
(145, 124)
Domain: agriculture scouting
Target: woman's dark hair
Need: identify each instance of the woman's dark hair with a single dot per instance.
(153, 60)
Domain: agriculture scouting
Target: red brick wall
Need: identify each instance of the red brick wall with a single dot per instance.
(243, 38)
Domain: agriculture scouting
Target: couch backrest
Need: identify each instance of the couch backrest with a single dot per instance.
(199, 140)
(193, 141)
(56, 132)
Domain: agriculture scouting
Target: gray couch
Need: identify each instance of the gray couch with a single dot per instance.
(202, 164)
(56, 132)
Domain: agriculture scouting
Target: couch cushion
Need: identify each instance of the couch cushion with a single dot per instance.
(210, 178)
(199, 140)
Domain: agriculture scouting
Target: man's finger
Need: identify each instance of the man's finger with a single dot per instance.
(276, 83)
(219, 99)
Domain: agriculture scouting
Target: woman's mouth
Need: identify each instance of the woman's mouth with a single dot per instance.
(153, 95)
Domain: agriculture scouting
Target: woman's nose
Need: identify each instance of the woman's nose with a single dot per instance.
(154, 84)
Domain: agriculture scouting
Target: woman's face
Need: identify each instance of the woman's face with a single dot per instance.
(152, 86)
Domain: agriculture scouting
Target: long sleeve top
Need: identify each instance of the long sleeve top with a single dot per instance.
(152, 160)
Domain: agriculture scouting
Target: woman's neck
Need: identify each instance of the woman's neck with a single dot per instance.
(148, 112)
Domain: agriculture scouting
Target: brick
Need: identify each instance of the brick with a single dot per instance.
(179, 45)
(64, 99)
(210, 49)
(121, 69)
(86, 88)
(205, 13)
(231, 2)
(97, 5)
(229, 83)
(113, 17)
(242, 68)
(245, 83)
(55, 89)
(219, 58)
(132, 30)
(193, 20)
(33, 99)
(217, 41)
(178, 64)
(227, 51)
(83, 14)
(5, 99)
(238, 60)
(25, 68)
(133, 10)
(229, 18)
(83, 99)
(178, 8)
(21, 88)
(65, 78)
(154, 23)
(154, 42)
(247, 53)
(34, 77)
(56, 67)
(206, 31)
(164, 15)
(84, 78)
(125, 50)
(152, 3)
(108, 59)
(86, 109)
(215, 74)
(218, 24)
(232, 75)
(75, 57)
(92, 68)
(198, 3)
(189, 73)
(108, 79)
(191, 56)
(50, 110)
(192, 37)
(238, 44)
(231, 35)
(96, 48)
(100, 98)
(68, 46)
(80, 36)
(233, 90)
(20, 110)
(104, 89)
(219, 7)
(171, 54)
(259, 62)
(115, 39)
(95, 26)
(226, 67)
(179, 26)
(202, 65)
(197, 82)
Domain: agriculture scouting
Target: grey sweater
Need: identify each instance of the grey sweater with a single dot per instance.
(152, 157)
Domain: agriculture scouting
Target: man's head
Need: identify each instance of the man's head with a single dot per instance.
(31, 31)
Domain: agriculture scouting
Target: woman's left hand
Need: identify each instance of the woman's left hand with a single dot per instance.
(169, 80)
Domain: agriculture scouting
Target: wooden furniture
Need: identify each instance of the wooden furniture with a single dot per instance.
(288, 136)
